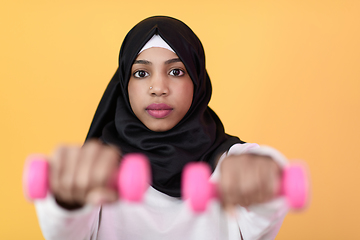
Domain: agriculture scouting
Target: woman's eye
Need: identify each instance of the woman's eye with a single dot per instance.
(141, 74)
(177, 72)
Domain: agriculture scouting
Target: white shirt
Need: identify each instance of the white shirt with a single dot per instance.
(162, 217)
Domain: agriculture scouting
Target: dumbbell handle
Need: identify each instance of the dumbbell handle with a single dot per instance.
(133, 177)
(197, 188)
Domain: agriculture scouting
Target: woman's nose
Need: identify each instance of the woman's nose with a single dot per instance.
(159, 86)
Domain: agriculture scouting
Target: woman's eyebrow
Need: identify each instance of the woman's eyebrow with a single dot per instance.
(172, 60)
(146, 62)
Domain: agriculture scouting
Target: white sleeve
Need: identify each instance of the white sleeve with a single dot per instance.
(261, 221)
(57, 223)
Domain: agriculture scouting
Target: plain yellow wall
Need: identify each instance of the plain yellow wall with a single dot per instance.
(284, 73)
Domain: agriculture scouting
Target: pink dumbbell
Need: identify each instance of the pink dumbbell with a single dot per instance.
(133, 177)
(197, 188)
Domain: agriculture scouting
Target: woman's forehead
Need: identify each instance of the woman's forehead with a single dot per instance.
(157, 55)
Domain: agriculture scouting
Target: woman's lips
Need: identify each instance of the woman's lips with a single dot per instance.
(159, 110)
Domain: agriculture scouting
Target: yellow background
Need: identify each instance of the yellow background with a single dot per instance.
(284, 73)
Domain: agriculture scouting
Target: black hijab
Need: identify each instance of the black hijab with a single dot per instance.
(199, 136)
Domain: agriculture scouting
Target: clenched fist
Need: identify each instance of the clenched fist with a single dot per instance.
(80, 175)
(248, 179)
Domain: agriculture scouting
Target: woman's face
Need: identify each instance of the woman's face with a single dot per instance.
(160, 89)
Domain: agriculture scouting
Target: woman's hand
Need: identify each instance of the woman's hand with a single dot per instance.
(248, 179)
(80, 175)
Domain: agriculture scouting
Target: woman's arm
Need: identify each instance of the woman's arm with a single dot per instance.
(250, 175)
(80, 180)
(57, 223)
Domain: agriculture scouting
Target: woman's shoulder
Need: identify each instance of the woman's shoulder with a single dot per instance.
(254, 148)
(239, 148)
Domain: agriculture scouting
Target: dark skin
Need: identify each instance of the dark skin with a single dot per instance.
(83, 175)
(248, 179)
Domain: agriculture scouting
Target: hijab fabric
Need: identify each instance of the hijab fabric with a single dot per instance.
(199, 136)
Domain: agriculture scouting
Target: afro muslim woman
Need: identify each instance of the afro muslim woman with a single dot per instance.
(156, 105)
